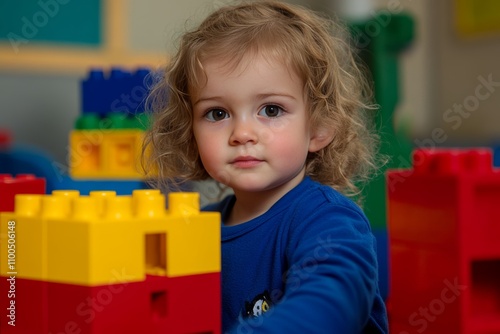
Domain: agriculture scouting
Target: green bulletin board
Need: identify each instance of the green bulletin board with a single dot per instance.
(74, 22)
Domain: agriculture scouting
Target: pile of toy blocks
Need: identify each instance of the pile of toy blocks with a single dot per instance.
(105, 263)
(108, 264)
(108, 136)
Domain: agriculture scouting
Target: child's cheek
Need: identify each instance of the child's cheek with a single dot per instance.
(212, 155)
(273, 131)
(289, 147)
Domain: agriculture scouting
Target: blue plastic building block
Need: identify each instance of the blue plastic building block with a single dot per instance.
(119, 91)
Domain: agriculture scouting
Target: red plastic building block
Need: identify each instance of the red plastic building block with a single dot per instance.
(186, 304)
(29, 313)
(444, 228)
(21, 184)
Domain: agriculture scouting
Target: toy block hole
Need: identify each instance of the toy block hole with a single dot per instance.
(485, 292)
(86, 157)
(123, 157)
(159, 305)
(156, 254)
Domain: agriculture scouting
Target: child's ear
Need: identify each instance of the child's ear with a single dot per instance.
(320, 138)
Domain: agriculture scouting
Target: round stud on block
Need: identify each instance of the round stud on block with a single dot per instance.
(101, 197)
(446, 162)
(148, 203)
(103, 193)
(478, 161)
(435, 161)
(85, 208)
(66, 193)
(118, 208)
(96, 74)
(147, 192)
(180, 203)
(117, 73)
(456, 161)
(117, 120)
(28, 205)
(55, 207)
(88, 121)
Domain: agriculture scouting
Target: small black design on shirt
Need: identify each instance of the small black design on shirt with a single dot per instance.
(259, 305)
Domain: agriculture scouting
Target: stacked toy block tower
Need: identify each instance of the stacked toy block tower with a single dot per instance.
(444, 227)
(107, 140)
(110, 264)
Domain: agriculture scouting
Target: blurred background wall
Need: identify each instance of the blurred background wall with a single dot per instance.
(450, 76)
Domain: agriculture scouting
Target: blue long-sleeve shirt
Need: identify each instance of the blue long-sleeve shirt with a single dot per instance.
(307, 265)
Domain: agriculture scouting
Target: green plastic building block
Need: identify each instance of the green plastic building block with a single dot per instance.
(381, 40)
(113, 121)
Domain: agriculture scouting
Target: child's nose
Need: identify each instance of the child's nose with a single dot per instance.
(244, 132)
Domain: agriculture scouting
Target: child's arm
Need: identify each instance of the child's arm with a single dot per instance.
(331, 286)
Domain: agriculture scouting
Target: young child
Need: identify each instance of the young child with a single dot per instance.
(267, 99)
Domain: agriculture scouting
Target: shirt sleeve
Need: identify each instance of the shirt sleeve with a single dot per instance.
(331, 283)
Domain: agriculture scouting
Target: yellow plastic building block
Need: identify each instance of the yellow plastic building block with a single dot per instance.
(109, 154)
(96, 242)
(103, 238)
(192, 238)
(28, 237)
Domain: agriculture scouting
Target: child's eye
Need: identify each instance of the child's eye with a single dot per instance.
(215, 115)
(271, 110)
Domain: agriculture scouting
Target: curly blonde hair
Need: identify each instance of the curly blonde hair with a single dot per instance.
(316, 48)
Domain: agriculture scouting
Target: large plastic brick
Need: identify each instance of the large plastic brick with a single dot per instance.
(85, 240)
(21, 184)
(118, 90)
(30, 236)
(112, 154)
(32, 161)
(92, 238)
(445, 255)
(31, 307)
(200, 255)
(188, 304)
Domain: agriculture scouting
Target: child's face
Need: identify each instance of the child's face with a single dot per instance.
(251, 125)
